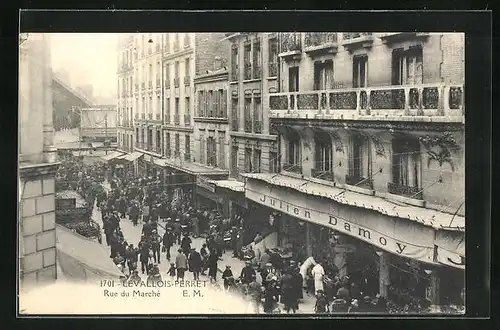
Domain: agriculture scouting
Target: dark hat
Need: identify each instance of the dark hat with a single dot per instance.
(228, 266)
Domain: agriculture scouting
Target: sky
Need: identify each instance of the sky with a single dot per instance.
(88, 58)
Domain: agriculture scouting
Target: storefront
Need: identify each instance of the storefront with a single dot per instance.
(357, 235)
(233, 194)
(110, 159)
(132, 161)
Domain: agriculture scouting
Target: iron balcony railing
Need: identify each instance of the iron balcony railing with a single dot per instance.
(257, 126)
(248, 125)
(359, 181)
(167, 119)
(187, 80)
(187, 120)
(158, 83)
(150, 116)
(355, 35)
(405, 191)
(167, 84)
(248, 71)
(177, 119)
(291, 42)
(321, 174)
(176, 82)
(235, 124)
(315, 39)
(257, 71)
(234, 73)
(143, 86)
(150, 85)
(425, 99)
(143, 116)
(295, 168)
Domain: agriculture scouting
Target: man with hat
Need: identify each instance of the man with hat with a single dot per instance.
(265, 273)
(155, 245)
(194, 262)
(168, 241)
(177, 230)
(296, 280)
(247, 273)
(234, 241)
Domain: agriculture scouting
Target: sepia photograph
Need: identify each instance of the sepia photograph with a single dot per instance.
(242, 173)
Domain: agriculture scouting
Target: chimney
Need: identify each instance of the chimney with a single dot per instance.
(217, 63)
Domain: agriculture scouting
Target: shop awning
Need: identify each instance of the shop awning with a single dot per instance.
(233, 185)
(122, 156)
(194, 168)
(425, 216)
(133, 156)
(82, 259)
(112, 155)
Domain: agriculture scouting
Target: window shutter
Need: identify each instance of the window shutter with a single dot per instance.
(224, 103)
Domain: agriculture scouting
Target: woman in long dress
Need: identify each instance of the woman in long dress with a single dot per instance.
(318, 272)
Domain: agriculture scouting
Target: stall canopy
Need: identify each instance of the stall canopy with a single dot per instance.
(233, 185)
(112, 155)
(133, 156)
(82, 259)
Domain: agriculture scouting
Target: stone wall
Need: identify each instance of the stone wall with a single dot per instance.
(37, 230)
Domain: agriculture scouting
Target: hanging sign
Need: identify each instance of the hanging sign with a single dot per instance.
(379, 238)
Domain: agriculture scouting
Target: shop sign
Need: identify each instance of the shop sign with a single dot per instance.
(450, 259)
(399, 246)
(204, 183)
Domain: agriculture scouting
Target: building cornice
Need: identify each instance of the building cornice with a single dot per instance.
(244, 135)
(30, 171)
(211, 77)
(178, 128)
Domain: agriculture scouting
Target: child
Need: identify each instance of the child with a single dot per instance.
(171, 271)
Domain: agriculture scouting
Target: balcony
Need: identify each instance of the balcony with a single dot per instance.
(248, 125)
(427, 100)
(166, 84)
(359, 182)
(405, 191)
(177, 119)
(234, 73)
(352, 40)
(295, 168)
(247, 74)
(176, 82)
(291, 45)
(143, 116)
(187, 120)
(273, 69)
(150, 116)
(187, 80)
(323, 175)
(320, 42)
(150, 85)
(400, 36)
(143, 86)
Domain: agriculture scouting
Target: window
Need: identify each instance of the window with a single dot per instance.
(406, 163)
(257, 61)
(158, 141)
(202, 146)
(167, 42)
(222, 150)
(187, 68)
(248, 114)
(211, 152)
(247, 61)
(216, 103)
(294, 149)
(323, 152)
(223, 102)
(150, 139)
(323, 75)
(234, 114)
(407, 67)
(177, 106)
(201, 104)
(293, 79)
(187, 142)
(150, 77)
(177, 69)
(177, 146)
(167, 76)
(167, 110)
(234, 63)
(248, 160)
(273, 57)
(273, 162)
(256, 160)
(210, 104)
(359, 71)
(234, 161)
(257, 114)
(360, 162)
(167, 145)
(187, 112)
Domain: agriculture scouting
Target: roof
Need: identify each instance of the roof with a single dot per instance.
(133, 156)
(234, 185)
(112, 155)
(425, 216)
(190, 167)
(69, 194)
(93, 256)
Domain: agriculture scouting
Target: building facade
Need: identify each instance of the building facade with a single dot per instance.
(252, 74)
(125, 93)
(37, 163)
(370, 134)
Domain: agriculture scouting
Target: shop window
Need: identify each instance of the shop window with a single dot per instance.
(406, 167)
